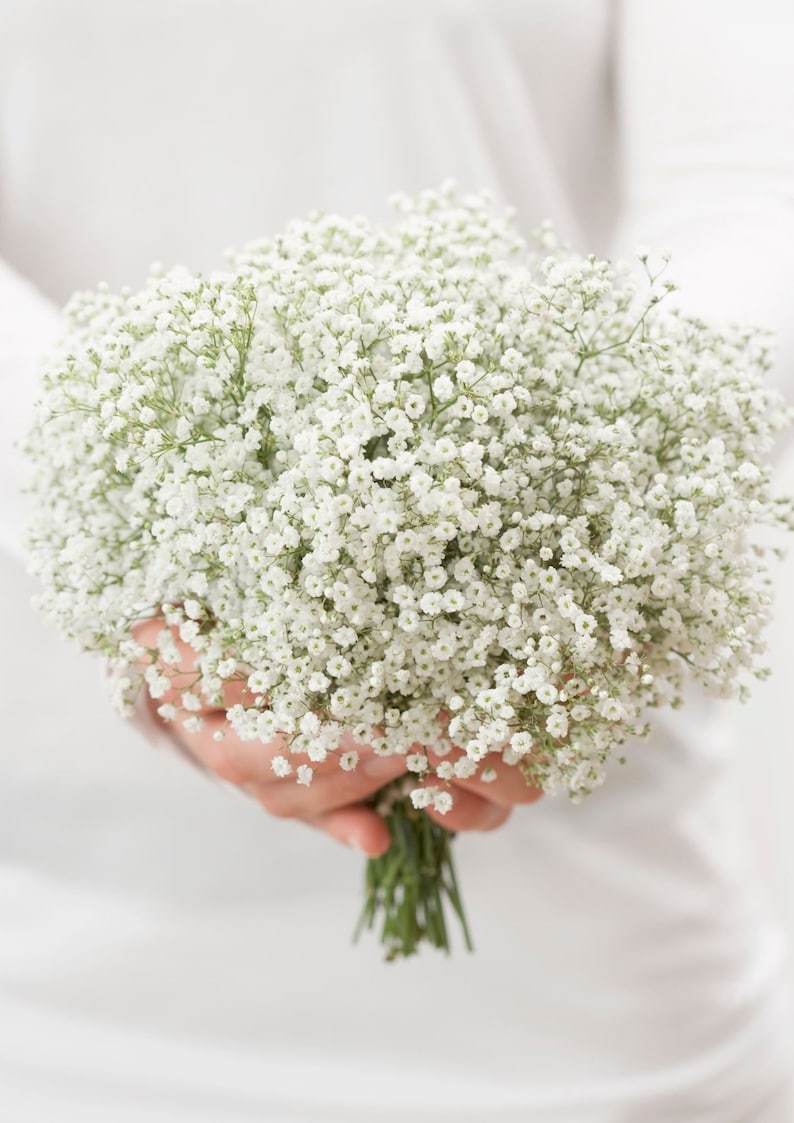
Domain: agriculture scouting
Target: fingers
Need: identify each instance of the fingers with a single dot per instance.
(506, 784)
(482, 804)
(330, 790)
(249, 765)
(184, 675)
(334, 802)
(237, 762)
(509, 789)
(470, 812)
(334, 799)
(357, 826)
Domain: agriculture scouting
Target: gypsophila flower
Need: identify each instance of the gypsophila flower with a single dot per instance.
(521, 743)
(442, 802)
(464, 768)
(422, 485)
(305, 774)
(380, 472)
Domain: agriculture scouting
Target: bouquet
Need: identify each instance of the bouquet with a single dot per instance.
(423, 482)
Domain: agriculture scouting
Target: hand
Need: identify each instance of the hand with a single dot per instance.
(335, 802)
(480, 805)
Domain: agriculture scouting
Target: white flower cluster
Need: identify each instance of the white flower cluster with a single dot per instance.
(381, 473)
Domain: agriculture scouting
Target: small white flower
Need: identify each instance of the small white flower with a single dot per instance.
(443, 388)
(454, 600)
(310, 724)
(444, 450)
(442, 802)
(415, 406)
(464, 768)
(318, 682)
(557, 722)
(423, 489)
(305, 774)
(316, 750)
(266, 726)
(193, 609)
(432, 603)
(521, 743)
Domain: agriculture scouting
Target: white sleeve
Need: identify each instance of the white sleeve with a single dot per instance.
(29, 323)
(705, 99)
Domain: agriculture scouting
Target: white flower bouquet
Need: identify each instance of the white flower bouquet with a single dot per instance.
(420, 482)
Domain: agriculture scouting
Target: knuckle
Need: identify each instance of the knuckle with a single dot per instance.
(146, 631)
(224, 765)
(278, 809)
(284, 800)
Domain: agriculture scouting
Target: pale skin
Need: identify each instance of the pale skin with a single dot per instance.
(335, 802)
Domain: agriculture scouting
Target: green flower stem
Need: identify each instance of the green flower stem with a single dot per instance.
(406, 888)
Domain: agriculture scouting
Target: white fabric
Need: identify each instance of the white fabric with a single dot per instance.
(167, 952)
(780, 1108)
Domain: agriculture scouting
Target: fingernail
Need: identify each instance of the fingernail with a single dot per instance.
(382, 767)
(354, 842)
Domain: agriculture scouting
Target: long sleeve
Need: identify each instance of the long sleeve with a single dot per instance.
(706, 101)
(28, 324)
(705, 98)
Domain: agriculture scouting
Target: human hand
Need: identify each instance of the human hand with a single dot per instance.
(336, 802)
(481, 804)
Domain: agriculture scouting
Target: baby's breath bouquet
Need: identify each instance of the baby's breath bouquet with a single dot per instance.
(385, 474)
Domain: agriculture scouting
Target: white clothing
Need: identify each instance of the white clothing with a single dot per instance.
(170, 953)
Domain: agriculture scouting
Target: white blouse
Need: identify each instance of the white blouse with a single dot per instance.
(168, 952)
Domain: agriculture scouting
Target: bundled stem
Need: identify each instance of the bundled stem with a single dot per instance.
(406, 888)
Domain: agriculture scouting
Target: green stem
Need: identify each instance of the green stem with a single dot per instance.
(406, 888)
